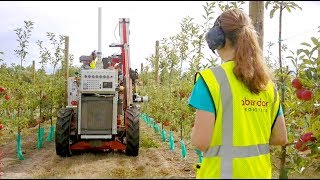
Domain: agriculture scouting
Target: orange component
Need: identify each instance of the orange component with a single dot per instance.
(74, 103)
(118, 120)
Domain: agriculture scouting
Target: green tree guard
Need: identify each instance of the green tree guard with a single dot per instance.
(155, 128)
(148, 120)
(163, 135)
(19, 151)
(200, 154)
(171, 141)
(183, 149)
(151, 122)
(40, 137)
(145, 118)
(51, 134)
(159, 129)
(141, 115)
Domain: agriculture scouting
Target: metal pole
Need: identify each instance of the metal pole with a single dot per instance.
(99, 53)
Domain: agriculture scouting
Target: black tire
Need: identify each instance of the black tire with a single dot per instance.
(62, 134)
(132, 131)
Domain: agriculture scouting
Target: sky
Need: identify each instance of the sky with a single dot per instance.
(149, 21)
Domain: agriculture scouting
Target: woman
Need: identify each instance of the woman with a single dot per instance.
(238, 112)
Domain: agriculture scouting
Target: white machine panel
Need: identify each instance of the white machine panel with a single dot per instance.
(72, 91)
(99, 80)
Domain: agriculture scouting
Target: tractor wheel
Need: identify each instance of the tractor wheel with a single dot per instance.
(62, 134)
(132, 131)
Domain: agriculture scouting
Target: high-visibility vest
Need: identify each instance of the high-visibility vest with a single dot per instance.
(93, 64)
(239, 147)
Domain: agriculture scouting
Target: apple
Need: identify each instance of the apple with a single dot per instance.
(307, 137)
(1, 126)
(306, 95)
(182, 94)
(2, 89)
(304, 138)
(299, 93)
(7, 97)
(166, 123)
(296, 83)
(299, 146)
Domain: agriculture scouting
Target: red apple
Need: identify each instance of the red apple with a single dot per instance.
(1, 126)
(296, 83)
(308, 137)
(2, 89)
(299, 146)
(299, 93)
(306, 95)
(7, 97)
(166, 123)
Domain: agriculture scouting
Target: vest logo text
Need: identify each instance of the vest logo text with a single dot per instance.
(249, 102)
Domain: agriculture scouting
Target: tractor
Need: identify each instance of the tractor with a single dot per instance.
(102, 113)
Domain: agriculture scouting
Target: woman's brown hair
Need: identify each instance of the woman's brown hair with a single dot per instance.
(249, 63)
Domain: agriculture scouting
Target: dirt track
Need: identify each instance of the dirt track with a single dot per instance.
(155, 161)
(151, 163)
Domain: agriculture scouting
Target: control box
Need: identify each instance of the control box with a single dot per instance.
(99, 80)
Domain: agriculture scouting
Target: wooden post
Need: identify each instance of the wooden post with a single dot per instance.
(256, 13)
(34, 71)
(157, 78)
(141, 68)
(66, 69)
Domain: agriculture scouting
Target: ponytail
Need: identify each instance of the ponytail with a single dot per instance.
(249, 63)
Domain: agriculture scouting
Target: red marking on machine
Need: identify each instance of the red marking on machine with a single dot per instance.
(103, 145)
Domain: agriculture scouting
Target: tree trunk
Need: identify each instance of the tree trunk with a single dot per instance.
(141, 68)
(33, 71)
(66, 69)
(256, 13)
(282, 171)
(157, 78)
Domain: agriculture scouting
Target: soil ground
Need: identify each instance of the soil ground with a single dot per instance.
(155, 161)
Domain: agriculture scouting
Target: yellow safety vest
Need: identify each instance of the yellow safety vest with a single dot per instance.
(239, 147)
(93, 64)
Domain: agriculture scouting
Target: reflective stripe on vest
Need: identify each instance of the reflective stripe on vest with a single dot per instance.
(227, 151)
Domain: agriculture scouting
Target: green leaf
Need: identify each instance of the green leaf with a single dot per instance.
(267, 4)
(309, 74)
(288, 9)
(296, 5)
(299, 51)
(315, 41)
(313, 49)
(272, 12)
(306, 44)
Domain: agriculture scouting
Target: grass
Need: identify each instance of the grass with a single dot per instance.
(147, 141)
